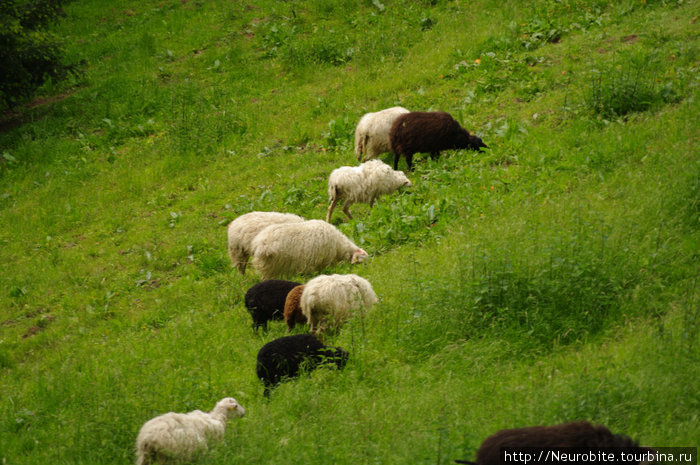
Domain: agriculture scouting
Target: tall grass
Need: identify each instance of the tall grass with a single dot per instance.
(629, 85)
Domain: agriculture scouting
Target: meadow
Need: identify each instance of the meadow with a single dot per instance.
(551, 278)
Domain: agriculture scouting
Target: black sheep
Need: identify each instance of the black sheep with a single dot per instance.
(582, 436)
(287, 356)
(265, 300)
(428, 132)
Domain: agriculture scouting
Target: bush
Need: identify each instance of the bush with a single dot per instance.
(29, 54)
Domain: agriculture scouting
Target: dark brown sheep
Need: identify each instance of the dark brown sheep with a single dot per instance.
(289, 356)
(428, 132)
(581, 435)
(265, 300)
(292, 308)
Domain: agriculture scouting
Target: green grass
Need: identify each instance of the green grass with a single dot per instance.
(553, 278)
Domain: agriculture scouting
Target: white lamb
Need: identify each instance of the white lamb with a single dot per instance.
(330, 300)
(362, 184)
(243, 230)
(183, 436)
(372, 133)
(283, 250)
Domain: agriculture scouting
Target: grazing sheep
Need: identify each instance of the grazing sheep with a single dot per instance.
(372, 133)
(428, 132)
(292, 308)
(243, 230)
(265, 300)
(287, 249)
(362, 184)
(580, 434)
(329, 300)
(287, 356)
(182, 436)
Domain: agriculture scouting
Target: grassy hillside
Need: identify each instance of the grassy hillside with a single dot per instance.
(552, 278)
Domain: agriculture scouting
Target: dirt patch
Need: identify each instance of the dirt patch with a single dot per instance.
(11, 119)
(32, 314)
(45, 320)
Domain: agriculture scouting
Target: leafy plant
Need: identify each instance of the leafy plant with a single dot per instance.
(339, 133)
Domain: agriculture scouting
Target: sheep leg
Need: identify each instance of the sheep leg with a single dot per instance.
(396, 161)
(434, 155)
(346, 210)
(334, 202)
(242, 264)
(409, 162)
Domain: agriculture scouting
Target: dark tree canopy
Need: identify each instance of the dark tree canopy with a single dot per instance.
(29, 53)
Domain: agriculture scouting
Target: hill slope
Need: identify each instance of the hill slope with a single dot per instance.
(552, 278)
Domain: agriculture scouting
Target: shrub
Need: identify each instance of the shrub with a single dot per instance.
(29, 54)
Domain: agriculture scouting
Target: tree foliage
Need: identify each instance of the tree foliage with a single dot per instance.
(29, 53)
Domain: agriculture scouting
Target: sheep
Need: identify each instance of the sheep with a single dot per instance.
(286, 357)
(429, 132)
(329, 300)
(372, 133)
(580, 434)
(362, 184)
(292, 308)
(265, 300)
(299, 248)
(243, 230)
(182, 436)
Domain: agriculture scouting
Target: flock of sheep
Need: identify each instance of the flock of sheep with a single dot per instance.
(282, 245)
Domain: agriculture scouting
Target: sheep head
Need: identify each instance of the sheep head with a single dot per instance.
(335, 355)
(463, 140)
(228, 407)
(475, 143)
(341, 357)
(401, 180)
(358, 256)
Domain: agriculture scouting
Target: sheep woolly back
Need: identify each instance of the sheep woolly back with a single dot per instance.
(330, 300)
(372, 133)
(292, 307)
(243, 230)
(282, 250)
(182, 436)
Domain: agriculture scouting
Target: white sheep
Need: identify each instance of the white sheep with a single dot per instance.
(362, 184)
(330, 300)
(282, 250)
(183, 436)
(243, 230)
(372, 133)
